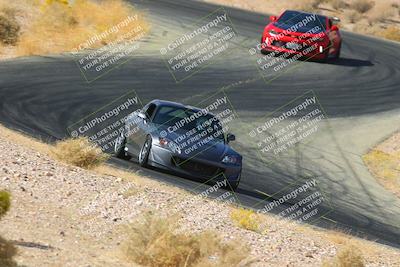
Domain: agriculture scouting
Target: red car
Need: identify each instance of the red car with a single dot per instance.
(302, 35)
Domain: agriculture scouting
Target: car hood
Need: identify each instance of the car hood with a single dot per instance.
(213, 150)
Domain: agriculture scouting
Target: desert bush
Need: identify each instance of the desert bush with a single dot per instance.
(246, 219)
(154, 242)
(361, 6)
(7, 252)
(338, 4)
(4, 202)
(59, 27)
(9, 29)
(352, 16)
(308, 5)
(79, 152)
(348, 256)
(7, 249)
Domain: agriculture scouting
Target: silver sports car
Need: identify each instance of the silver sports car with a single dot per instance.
(181, 139)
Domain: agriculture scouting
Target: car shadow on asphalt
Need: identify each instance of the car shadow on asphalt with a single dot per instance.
(351, 62)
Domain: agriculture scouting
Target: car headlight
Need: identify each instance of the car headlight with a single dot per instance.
(166, 143)
(231, 159)
(273, 32)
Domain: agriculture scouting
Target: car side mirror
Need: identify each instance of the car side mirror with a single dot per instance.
(335, 19)
(272, 18)
(230, 137)
(334, 28)
(143, 116)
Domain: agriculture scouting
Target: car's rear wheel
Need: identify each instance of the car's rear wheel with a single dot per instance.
(145, 152)
(119, 148)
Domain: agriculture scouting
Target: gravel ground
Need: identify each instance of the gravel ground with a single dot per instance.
(66, 216)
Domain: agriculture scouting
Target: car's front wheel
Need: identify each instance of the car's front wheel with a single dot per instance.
(234, 185)
(145, 152)
(119, 148)
(337, 55)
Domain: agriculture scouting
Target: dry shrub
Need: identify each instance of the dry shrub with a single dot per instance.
(7, 249)
(7, 252)
(79, 152)
(352, 16)
(153, 242)
(61, 28)
(308, 5)
(9, 27)
(361, 6)
(338, 4)
(246, 219)
(348, 256)
(4, 202)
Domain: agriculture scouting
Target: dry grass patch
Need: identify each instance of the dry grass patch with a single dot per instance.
(347, 256)
(79, 152)
(246, 219)
(386, 167)
(55, 26)
(154, 242)
(60, 27)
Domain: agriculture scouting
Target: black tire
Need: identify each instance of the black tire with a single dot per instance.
(119, 148)
(234, 186)
(325, 59)
(145, 152)
(337, 55)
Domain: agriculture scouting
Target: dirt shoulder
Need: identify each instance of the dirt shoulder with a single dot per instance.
(380, 18)
(67, 216)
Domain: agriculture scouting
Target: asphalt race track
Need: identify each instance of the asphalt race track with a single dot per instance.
(360, 94)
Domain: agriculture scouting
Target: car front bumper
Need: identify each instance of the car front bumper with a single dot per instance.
(191, 166)
(312, 50)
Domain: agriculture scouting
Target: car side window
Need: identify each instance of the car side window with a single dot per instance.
(150, 110)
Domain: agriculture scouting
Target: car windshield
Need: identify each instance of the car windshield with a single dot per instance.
(187, 119)
(305, 22)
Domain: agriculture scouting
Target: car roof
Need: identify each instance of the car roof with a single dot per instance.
(159, 102)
